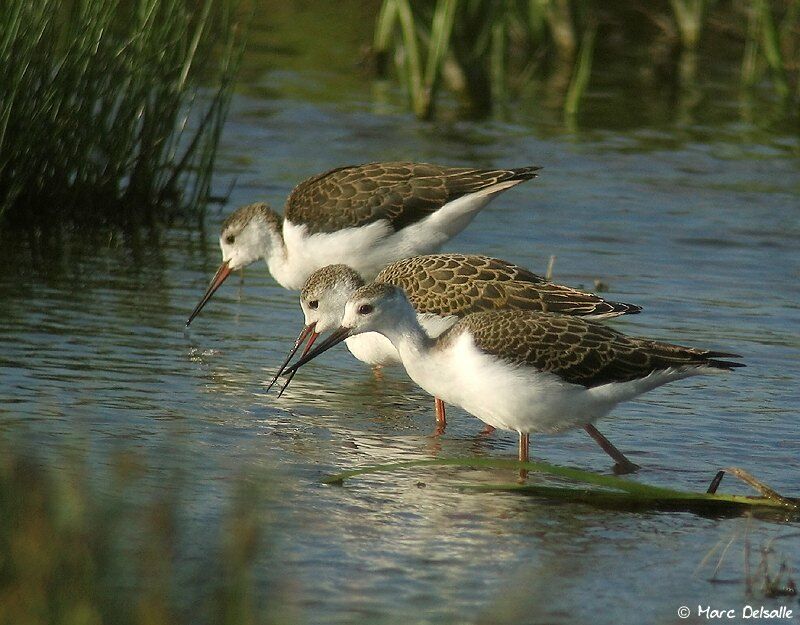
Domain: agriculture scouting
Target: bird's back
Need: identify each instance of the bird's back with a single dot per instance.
(401, 193)
(579, 351)
(460, 284)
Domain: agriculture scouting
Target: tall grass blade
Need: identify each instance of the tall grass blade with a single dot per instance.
(441, 28)
(384, 30)
(562, 26)
(412, 64)
(750, 57)
(689, 18)
(497, 61)
(580, 77)
(772, 49)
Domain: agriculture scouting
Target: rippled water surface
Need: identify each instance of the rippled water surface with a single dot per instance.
(697, 222)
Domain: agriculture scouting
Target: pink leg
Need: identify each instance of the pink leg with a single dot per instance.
(524, 449)
(441, 418)
(623, 464)
(524, 446)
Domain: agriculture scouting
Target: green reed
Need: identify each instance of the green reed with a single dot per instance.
(583, 70)
(485, 52)
(83, 544)
(689, 16)
(111, 110)
(771, 45)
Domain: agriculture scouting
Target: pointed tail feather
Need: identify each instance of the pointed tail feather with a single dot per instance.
(621, 308)
(605, 309)
(524, 173)
(728, 365)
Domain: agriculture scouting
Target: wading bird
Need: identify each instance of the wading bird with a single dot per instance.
(443, 288)
(517, 370)
(365, 215)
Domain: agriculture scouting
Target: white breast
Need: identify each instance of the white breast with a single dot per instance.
(306, 253)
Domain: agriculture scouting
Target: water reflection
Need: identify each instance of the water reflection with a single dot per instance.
(110, 361)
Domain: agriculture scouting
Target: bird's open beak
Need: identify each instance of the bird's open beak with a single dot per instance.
(223, 272)
(306, 333)
(336, 337)
(289, 377)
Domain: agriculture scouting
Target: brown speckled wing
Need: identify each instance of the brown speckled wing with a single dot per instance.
(458, 284)
(402, 193)
(579, 351)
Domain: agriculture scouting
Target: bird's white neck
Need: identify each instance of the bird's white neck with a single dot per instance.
(277, 258)
(409, 338)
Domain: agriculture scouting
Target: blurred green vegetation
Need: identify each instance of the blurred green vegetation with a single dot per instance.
(111, 110)
(83, 546)
(485, 52)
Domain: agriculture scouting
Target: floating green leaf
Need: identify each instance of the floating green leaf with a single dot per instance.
(611, 492)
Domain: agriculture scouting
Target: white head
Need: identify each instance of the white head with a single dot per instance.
(325, 294)
(249, 233)
(322, 299)
(378, 307)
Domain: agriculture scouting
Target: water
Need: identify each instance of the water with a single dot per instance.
(697, 221)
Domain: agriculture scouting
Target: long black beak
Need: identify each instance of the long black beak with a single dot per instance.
(223, 272)
(311, 339)
(309, 329)
(336, 337)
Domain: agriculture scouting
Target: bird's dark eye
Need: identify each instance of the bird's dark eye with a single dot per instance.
(365, 309)
(230, 239)
(313, 304)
